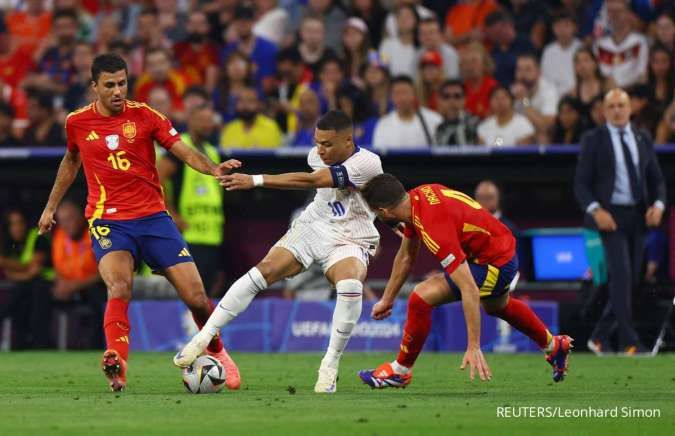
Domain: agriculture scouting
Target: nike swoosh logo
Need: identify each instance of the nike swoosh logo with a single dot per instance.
(179, 355)
(341, 332)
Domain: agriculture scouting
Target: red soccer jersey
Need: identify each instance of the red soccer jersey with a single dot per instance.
(118, 156)
(455, 227)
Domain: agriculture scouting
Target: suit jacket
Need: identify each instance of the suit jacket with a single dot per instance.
(595, 173)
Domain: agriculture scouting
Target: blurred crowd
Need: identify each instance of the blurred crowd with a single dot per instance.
(411, 73)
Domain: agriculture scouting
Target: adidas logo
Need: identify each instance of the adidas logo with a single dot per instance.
(92, 135)
(124, 339)
(184, 253)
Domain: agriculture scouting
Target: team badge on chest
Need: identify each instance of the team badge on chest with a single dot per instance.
(129, 130)
(112, 141)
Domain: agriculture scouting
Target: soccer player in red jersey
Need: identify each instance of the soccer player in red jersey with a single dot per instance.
(480, 265)
(112, 139)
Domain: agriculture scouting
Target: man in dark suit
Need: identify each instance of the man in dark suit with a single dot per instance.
(619, 185)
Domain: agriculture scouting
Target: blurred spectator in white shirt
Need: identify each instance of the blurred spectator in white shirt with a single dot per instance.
(272, 21)
(535, 97)
(407, 126)
(431, 39)
(400, 51)
(557, 62)
(505, 127)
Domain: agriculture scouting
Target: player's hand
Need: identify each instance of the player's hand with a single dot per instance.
(227, 167)
(382, 309)
(477, 363)
(46, 221)
(604, 220)
(653, 216)
(236, 182)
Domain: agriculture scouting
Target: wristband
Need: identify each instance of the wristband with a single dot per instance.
(258, 180)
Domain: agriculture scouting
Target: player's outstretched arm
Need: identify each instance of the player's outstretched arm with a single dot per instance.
(471, 305)
(201, 162)
(70, 165)
(403, 263)
(318, 179)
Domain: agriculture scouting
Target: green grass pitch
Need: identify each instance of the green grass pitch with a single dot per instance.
(64, 393)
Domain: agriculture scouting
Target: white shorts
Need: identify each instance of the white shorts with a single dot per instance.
(314, 243)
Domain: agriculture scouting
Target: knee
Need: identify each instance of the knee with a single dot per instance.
(349, 290)
(268, 271)
(120, 288)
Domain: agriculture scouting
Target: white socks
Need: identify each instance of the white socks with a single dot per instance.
(237, 298)
(346, 315)
(398, 368)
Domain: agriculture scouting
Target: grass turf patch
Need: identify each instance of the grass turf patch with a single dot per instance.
(65, 393)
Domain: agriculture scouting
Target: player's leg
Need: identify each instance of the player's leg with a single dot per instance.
(116, 269)
(279, 263)
(347, 276)
(185, 278)
(426, 295)
(497, 301)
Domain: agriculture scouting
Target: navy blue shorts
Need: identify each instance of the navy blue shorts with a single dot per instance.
(154, 239)
(491, 280)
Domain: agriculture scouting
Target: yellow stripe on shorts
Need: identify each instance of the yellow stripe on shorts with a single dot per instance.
(490, 281)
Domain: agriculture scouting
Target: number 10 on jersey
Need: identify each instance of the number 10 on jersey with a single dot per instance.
(337, 208)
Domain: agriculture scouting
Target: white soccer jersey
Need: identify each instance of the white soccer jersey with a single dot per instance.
(342, 207)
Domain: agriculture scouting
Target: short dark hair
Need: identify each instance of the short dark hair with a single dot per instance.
(402, 79)
(451, 82)
(433, 19)
(65, 13)
(498, 17)
(334, 120)
(529, 55)
(384, 190)
(197, 90)
(499, 88)
(330, 59)
(562, 16)
(108, 63)
(43, 98)
(290, 54)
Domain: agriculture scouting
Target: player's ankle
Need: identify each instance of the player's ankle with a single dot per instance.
(399, 369)
(331, 359)
(550, 343)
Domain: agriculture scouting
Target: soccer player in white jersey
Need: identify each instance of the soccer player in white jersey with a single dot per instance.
(336, 231)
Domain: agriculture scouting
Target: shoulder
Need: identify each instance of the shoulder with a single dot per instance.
(487, 123)
(549, 50)
(385, 120)
(521, 120)
(430, 115)
(79, 114)
(144, 109)
(266, 122)
(591, 137)
(363, 157)
(265, 44)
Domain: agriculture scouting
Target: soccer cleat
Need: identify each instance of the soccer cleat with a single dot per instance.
(115, 370)
(327, 381)
(596, 347)
(559, 355)
(384, 377)
(192, 350)
(232, 378)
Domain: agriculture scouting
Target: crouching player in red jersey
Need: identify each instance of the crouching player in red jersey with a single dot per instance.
(113, 139)
(478, 255)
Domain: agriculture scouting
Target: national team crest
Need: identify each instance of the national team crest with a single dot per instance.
(105, 243)
(129, 130)
(112, 141)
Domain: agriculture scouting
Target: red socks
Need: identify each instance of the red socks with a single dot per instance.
(416, 330)
(520, 316)
(116, 326)
(216, 344)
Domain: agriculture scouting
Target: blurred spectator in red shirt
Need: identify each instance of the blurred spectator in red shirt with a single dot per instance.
(159, 73)
(197, 55)
(464, 21)
(15, 61)
(31, 26)
(475, 68)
